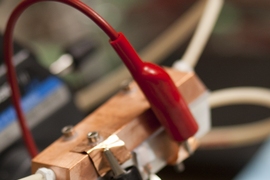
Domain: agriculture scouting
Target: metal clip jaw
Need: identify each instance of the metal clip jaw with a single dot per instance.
(117, 148)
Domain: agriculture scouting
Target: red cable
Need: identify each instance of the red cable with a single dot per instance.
(8, 54)
(164, 97)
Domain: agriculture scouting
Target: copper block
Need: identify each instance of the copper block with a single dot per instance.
(127, 115)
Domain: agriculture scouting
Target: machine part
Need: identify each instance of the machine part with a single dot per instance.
(151, 161)
(116, 168)
(93, 137)
(201, 111)
(111, 142)
(95, 151)
(183, 153)
(188, 148)
(132, 173)
(126, 115)
(148, 156)
(68, 131)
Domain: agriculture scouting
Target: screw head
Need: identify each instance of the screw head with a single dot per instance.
(180, 167)
(68, 131)
(125, 85)
(93, 137)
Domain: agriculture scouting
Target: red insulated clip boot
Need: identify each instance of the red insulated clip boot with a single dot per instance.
(166, 101)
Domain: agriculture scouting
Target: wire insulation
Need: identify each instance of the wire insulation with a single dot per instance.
(156, 51)
(8, 54)
(235, 136)
(240, 95)
(202, 33)
(238, 135)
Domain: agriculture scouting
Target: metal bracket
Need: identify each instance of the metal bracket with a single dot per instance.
(95, 153)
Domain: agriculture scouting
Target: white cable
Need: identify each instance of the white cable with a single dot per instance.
(41, 174)
(240, 95)
(194, 50)
(238, 135)
(202, 34)
(33, 177)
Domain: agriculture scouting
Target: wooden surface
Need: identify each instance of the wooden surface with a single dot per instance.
(127, 115)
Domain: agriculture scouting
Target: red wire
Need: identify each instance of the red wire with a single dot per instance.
(8, 54)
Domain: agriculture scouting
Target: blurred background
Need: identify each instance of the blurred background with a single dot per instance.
(65, 45)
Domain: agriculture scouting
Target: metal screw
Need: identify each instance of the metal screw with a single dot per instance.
(68, 131)
(180, 167)
(188, 148)
(93, 137)
(116, 168)
(125, 85)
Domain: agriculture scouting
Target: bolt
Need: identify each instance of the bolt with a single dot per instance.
(188, 148)
(125, 85)
(68, 131)
(180, 167)
(93, 137)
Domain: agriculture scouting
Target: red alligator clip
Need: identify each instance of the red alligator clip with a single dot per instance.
(166, 101)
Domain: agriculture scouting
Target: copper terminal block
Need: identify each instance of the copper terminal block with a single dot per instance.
(128, 116)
